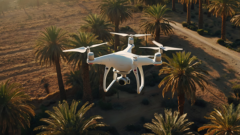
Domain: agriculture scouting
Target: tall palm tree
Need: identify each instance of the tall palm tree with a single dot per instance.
(66, 120)
(101, 28)
(49, 51)
(15, 110)
(223, 8)
(173, 5)
(188, 4)
(184, 74)
(117, 12)
(173, 124)
(224, 121)
(82, 39)
(236, 20)
(97, 25)
(200, 15)
(154, 21)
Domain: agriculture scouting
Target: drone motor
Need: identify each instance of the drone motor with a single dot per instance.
(130, 40)
(157, 57)
(91, 56)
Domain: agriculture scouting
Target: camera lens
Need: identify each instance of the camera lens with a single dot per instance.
(121, 82)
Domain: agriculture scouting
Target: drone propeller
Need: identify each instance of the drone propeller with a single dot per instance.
(135, 35)
(160, 46)
(83, 49)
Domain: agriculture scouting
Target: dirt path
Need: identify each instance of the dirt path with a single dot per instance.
(228, 55)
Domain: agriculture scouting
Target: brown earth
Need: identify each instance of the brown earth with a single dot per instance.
(18, 35)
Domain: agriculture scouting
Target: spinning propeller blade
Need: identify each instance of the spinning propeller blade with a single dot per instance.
(83, 49)
(140, 35)
(121, 34)
(155, 48)
(157, 44)
(135, 35)
(97, 45)
(166, 48)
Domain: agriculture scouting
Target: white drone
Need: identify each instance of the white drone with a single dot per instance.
(123, 62)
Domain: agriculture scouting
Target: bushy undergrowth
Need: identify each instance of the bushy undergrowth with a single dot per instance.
(202, 32)
(35, 121)
(184, 24)
(236, 90)
(221, 41)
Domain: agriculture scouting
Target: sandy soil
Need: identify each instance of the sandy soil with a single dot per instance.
(18, 35)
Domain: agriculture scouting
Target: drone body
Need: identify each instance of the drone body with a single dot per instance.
(123, 62)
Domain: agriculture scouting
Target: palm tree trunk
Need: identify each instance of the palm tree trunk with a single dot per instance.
(157, 35)
(87, 92)
(223, 29)
(184, 7)
(60, 81)
(117, 42)
(101, 92)
(173, 5)
(188, 13)
(209, 13)
(181, 101)
(200, 17)
(192, 6)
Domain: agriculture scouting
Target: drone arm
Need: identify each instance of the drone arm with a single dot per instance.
(105, 78)
(142, 78)
(135, 71)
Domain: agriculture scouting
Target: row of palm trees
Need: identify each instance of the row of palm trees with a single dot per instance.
(222, 8)
(16, 112)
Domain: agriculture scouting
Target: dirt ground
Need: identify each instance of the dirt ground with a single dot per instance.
(18, 34)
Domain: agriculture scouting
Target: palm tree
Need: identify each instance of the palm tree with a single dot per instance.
(101, 28)
(188, 4)
(236, 20)
(173, 5)
(173, 124)
(224, 121)
(200, 15)
(49, 51)
(223, 8)
(117, 12)
(155, 22)
(97, 25)
(65, 120)
(15, 110)
(184, 74)
(82, 39)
